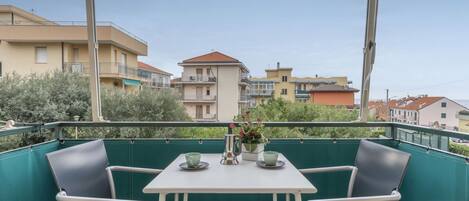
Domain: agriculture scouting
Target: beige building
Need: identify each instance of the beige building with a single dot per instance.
(279, 83)
(463, 117)
(153, 77)
(213, 87)
(32, 44)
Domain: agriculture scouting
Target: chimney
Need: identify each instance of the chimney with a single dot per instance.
(278, 65)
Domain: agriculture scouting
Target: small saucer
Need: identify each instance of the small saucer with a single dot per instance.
(262, 164)
(202, 165)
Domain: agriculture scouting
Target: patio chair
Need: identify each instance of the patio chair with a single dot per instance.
(82, 173)
(376, 176)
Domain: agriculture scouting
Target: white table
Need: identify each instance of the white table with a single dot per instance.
(245, 177)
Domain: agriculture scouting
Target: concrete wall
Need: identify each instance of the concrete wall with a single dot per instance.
(432, 113)
(333, 98)
(21, 57)
(279, 85)
(228, 92)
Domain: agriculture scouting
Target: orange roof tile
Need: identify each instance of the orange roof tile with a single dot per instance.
(151, 68)
(213, 57)
(414, 103)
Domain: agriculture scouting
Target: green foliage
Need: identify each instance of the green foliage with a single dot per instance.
(60, 96)
(280, 110)
(459, 149)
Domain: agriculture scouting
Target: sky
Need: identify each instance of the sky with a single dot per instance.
(422, 45)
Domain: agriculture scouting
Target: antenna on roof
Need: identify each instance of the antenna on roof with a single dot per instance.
(278, 65)
(32, 10)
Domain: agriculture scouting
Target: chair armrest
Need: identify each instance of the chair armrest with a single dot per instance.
(395, 196)
(62, 196)
(127, 169)
(328, 169)
(336, 169)
(134, 169)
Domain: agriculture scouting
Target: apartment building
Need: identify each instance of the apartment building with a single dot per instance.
(32, 44)
(213, 87)
(279, 83)
(153, 77)
(431, 111)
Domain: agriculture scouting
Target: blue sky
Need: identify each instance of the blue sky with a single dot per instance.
(423, 45)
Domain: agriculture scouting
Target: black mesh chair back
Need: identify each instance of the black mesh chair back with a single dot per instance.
(381, 169)
(81, 170)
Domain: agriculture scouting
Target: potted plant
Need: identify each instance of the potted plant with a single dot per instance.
(252, 138)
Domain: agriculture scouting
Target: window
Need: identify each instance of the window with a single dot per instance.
(443, 115)
(443, 104)
(0, 69)
(284, 78)
(208, 71)
(284, 92)
(207, 109)
(208, 91)
(41, 55)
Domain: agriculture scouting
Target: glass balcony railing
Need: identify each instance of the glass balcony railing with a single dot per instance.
(261, 92)
(198, 78)
(300, 92)
(106, 69)
(432, 174)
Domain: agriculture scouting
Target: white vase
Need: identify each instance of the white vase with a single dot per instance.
(251, 152)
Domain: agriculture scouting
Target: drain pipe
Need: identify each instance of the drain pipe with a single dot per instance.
(94, 62)
(369, 52)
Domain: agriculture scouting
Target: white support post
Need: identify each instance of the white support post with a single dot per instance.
(94, 62)
(369, 52)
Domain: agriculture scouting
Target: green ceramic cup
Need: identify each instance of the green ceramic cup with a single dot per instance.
(192, 159)
(270, 158)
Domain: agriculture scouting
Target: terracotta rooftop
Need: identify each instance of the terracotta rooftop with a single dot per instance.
(151, 68)
(333, 88)
(414, 103)
(213, 57)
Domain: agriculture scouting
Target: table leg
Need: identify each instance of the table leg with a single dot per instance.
(185, 197)
(274, 196)
(287, 197)
(176, 197)
(298, 196)
(162, 197)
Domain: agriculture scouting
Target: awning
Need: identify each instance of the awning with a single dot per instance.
(131, 82)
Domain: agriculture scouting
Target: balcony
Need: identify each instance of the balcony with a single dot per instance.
(199, 99)
(106, 69)
(244, 78)
(197, 79)
(433, 174)
(154, 83)
(71, 31)
(301, 93)
(261, 92)
(244, 98)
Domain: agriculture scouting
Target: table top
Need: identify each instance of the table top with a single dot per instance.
(245, 177)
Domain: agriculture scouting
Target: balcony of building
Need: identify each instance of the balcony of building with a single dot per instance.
(199, 99)
(301, 93)
(106, 69)
(432, 174)
(71, 31)
(154, 83)
(244, 78)
(261, 92)
(196, 79)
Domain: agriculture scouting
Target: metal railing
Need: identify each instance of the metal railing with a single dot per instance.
(198, 78)
(199, 98)
(301, 92)
(69, 23)
(261, 92)
(428, 138)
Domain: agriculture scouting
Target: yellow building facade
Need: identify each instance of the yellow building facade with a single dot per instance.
(32, 44)
(280, 83)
